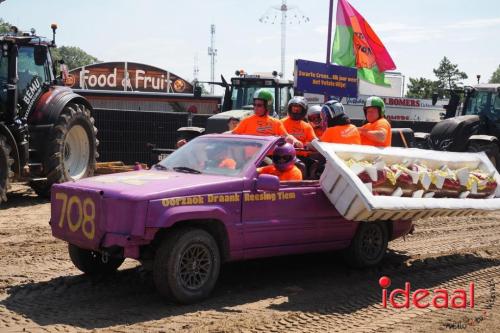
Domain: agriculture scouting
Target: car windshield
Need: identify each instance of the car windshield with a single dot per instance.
(215, 156)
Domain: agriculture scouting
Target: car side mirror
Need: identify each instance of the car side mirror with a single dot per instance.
(269, 183)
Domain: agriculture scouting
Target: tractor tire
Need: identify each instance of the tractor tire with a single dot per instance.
(6, 173)
(71, 152)
(91, 263)
(368, 246)
(186, 265)
(490, 148)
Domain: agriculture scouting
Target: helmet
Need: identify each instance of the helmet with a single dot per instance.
(376, 102)
(265, 96)
(300, 101)
(314, 115)
(331, 111)
(284, 157)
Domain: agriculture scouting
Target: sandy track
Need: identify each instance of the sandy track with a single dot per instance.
(40, 290)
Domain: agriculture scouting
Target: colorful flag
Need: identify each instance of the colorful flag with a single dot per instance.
(356, 45)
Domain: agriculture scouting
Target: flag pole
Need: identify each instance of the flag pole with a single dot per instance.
(329, 40)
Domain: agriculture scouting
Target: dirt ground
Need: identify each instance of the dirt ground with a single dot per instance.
(41, 291)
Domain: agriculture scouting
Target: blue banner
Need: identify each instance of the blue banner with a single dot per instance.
(326, 79)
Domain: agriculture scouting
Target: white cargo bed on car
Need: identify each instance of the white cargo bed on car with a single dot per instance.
(356, 202)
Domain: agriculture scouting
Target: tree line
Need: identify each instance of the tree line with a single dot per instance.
(448, 78)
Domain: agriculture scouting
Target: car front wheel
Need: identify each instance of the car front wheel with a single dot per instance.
(186, 265)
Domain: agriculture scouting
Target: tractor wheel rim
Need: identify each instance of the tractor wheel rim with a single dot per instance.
(195, 266)
(76, 152)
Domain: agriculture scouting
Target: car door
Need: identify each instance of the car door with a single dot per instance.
(288, 217)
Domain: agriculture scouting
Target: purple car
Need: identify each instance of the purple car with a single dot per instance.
(203, 205)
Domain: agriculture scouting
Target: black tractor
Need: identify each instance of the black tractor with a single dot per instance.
(473, 127)
(47, 134)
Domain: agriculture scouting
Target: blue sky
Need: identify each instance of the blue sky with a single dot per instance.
(169, 34)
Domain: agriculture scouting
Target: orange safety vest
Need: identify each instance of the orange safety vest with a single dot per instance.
(301, 130)
(347, 134)
(380, 124)
(255, 125)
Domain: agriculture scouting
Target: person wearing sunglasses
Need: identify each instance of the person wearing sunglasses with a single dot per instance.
(284, 158)
(260, 123)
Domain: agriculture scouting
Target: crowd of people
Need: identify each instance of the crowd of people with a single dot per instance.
(303, 124)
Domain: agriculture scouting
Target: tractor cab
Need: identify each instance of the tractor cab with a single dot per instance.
(26, 71)
(239, 95)
(484, 101)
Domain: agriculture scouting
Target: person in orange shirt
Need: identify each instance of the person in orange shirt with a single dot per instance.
(218, 157)
(295, 124)
(377, 132)
(260, 123)
(338, 127)
(314, 119)
(283, 166)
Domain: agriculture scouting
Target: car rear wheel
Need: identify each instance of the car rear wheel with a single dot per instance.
(186, 265)
(368, 246)
(92, 262)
